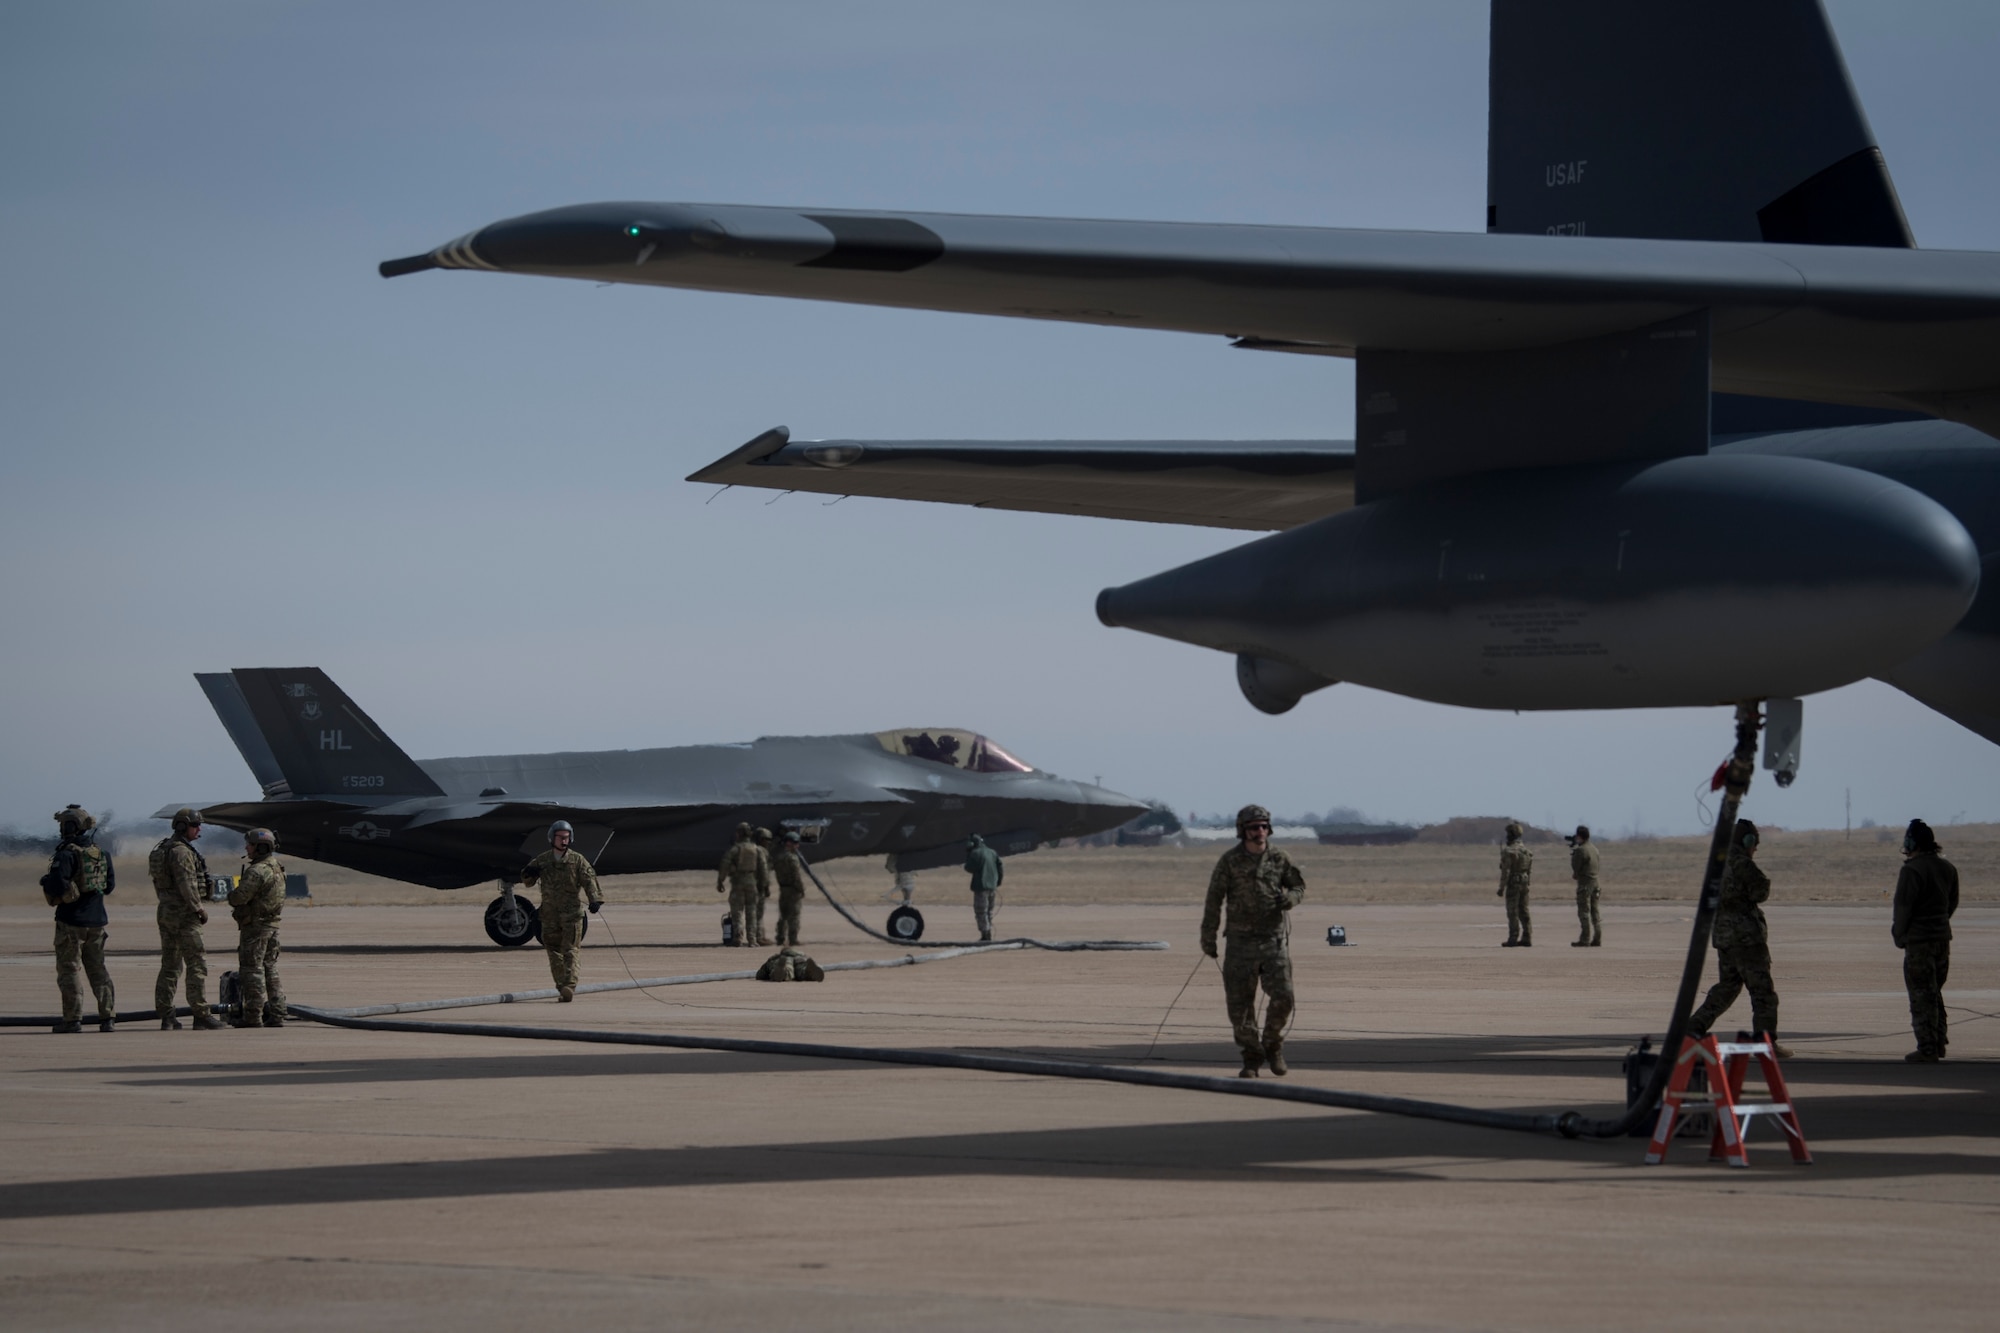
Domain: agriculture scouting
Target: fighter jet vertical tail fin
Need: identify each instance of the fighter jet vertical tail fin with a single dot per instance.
(1710, 120)
(318, 740)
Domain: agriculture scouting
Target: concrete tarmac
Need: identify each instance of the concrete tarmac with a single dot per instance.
(318, 1178)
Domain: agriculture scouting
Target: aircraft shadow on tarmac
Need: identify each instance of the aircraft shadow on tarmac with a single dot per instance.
(1280, 1149)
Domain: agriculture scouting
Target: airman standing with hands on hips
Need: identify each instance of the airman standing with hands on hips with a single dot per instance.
(80, 874)
(1258, 884)
(180, 880)
(257, 901)
(565, 878)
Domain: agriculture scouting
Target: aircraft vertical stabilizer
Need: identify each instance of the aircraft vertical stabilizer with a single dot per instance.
(323, 743)
(1699, 120)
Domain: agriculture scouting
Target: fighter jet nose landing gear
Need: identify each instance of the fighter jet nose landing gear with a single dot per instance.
(512, 921)
(906, 923)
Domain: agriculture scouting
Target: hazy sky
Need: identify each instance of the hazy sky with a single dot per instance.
(227, 442)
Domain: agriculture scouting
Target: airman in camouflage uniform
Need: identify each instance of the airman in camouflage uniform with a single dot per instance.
(1516, 864)
(257, 901)
(80, 874)
(763, 839)
(1926, 897)
(180, 881)
(1742, 951)
(988, 873)
(1583, 869)
(566, 879)
(743, 872)
(1259, 885)
(788, 868)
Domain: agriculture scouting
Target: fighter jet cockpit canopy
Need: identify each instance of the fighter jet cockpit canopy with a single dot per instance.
(956, 749)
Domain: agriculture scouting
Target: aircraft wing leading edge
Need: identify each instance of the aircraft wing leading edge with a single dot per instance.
(1828, 323)
(1254, 485)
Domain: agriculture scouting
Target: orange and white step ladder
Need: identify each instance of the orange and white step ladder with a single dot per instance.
(1725, 1064)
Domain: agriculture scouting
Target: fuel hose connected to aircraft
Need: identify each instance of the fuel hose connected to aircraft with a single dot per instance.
(1735, 778)
(1570, 1124)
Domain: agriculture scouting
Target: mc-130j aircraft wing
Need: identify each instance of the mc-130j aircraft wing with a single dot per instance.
(1694, 380)
(337, 789)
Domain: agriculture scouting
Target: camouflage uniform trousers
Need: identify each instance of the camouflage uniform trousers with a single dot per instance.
(180, 949)
(1248, 960)
(757, 902)
(1590, 925)
(257, 973)
(743, 912)
(82, 946)
(790, 902)
(562, 936)
(1519, 927)
(982, 909)
(1925, 965)
(1740, 965)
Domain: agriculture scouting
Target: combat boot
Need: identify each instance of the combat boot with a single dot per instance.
(1579, 944)
(1597, 943)
(168, 1023)
(205, 1023)
(566, 993)
(68, 1025)
(1252, 1062)
(107, 1024)
(1510, 944)
(246, 1021)
(1923, 1057)
(272, 1020)
(1274, 1055)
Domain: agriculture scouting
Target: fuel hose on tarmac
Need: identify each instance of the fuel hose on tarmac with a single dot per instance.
(1019, 941)
(1570, 1124)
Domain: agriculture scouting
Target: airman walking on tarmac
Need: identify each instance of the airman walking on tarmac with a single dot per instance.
(1742, 948)
(80, 874)
(180, 881)
(1926, 897)
(566, 878)
(743, 871)
(257, 901)
(1259, 885)
(788, 868)
(1516, 864)
(1583, 869)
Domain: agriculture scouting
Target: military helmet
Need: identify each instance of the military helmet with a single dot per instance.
(742, 832)
(560, 826)
(763, 835)
(187, 817)
(1583, 832)
(791, 835)
(260, 841)
(1514, 830)
(1251, 814)
(74, 819)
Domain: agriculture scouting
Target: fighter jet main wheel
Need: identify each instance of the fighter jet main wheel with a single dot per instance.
(512, 922)
(906, 923)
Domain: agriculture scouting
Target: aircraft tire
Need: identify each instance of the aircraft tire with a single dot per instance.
(906, 923)
(512, 927)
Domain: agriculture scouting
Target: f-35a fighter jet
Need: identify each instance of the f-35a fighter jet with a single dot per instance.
(1693, 421)
(337, 789)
